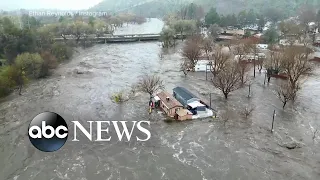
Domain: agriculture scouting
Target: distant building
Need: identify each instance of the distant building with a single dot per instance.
(262, 46)
(229, 34)
(168, 103)
(203, 65)
(287, 42)
(246, 57)
(224, 38)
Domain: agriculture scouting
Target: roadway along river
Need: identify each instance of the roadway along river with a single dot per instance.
(193, 150)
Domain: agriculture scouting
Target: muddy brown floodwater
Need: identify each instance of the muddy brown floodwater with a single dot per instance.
(200, 149)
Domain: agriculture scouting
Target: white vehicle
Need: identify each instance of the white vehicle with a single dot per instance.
(262, 46)
(247, 57)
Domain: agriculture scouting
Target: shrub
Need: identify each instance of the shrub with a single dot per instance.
(49, 62)
(30, 63)
(61, 51)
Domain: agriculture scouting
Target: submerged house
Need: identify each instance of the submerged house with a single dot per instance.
(192, 104)
(183, 114)
(168, 103)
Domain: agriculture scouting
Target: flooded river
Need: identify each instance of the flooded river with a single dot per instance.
(235, 149)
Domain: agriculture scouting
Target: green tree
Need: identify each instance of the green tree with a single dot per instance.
(100, 28)
(81, 30)
(13, 76)
(251, 17)
(212, 17)
(167, 37)
(61, 51)
(92, 21)
(224, 21)
(242, 18)
(261, 22)
(30, 64)
(274, 14)
(234, 20)
(247, 34)
(191, 12)
(271, 36)
(61, 19)
(62, 29)
(9, 39)
(45, 36)
(29, 22)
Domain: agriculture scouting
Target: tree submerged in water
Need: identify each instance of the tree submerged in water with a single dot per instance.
(168, 37)
(150, 84)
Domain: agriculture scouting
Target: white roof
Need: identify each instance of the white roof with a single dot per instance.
(156, 98)
(195, 104)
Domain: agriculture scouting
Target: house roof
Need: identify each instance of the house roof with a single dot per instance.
(234, 31)
(172, 101)
(225, 37)
(184, 93)
(195, 104)
(156, 98)
(183, 112)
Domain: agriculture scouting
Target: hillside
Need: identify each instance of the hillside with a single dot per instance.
(154, 8)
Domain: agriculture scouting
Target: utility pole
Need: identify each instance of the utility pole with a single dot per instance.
(210, 100)
(207, 70)
(273, 116)
(254, 61)
(265, 77)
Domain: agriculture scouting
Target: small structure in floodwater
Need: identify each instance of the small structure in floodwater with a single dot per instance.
(183, 105)
(168, 103)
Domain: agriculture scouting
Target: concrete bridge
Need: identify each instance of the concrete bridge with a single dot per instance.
(122, 38)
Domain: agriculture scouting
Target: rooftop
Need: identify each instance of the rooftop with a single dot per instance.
(183, 112)
(195, 104)
(171, 103)
(225, 37)
(184, 93)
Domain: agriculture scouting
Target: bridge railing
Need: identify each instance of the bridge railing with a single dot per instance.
(111, 36)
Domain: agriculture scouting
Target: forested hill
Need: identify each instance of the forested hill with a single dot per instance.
(156, 8)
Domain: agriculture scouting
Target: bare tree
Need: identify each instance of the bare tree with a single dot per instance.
(207, 46)
(286, 93)
(243, 67)
(247, 111)
(241, 51)
(291, 30)
(260, 63)
(214, 30)
(274, 61)
(192, 50)
(184, 67)
(219, 60)
(228, 79)
(150, 84)
(295, 63)
(253, 48)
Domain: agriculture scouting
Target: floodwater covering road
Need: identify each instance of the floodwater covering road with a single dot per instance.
(200, 149)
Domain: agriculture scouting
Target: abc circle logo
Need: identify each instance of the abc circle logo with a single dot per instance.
(48, 132)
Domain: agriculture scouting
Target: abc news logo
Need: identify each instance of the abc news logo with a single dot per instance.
(48, 131)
